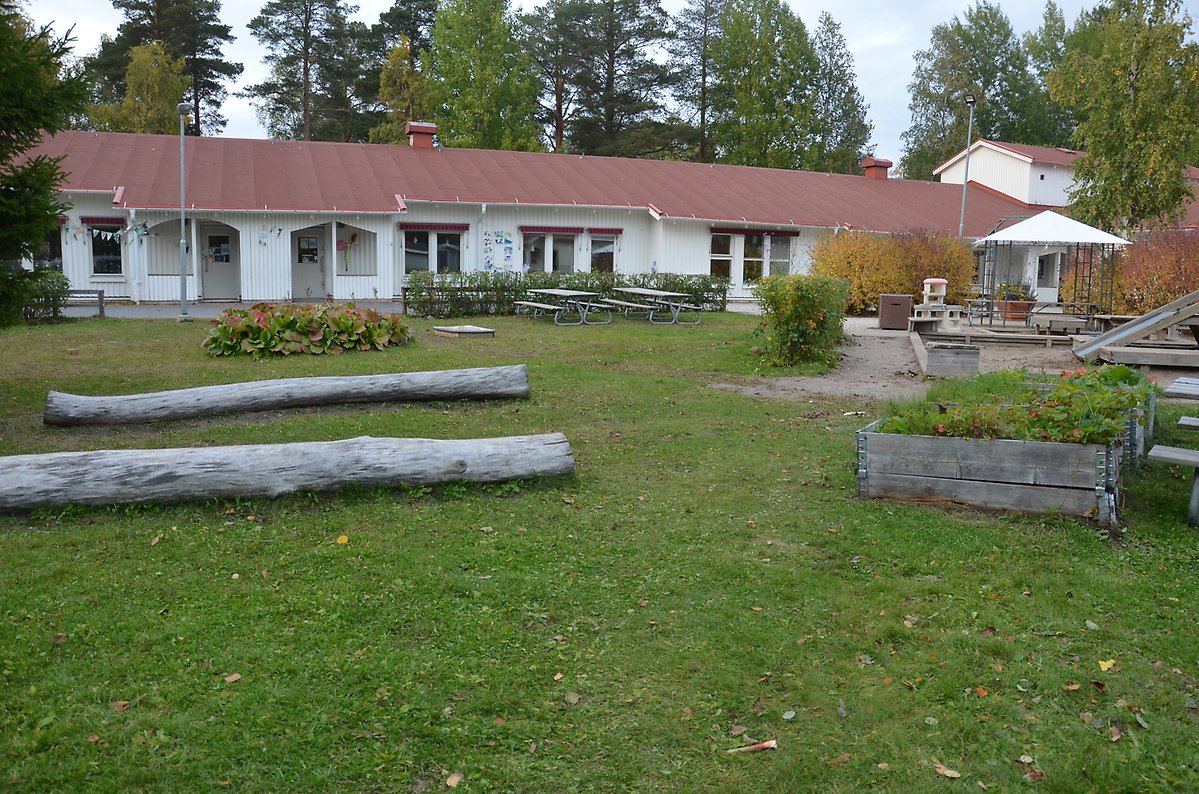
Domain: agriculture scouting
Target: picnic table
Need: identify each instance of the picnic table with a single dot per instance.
(657, 301)
(572, 303)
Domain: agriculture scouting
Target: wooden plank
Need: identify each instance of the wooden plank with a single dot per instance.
(1150, 356)
(1189, 422)
(172, 475)
(1174, 456)
(1172, 313)
(991, 495)
(1186, 388)
(1002, 460)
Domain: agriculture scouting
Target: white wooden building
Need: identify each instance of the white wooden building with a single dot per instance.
(288, 220)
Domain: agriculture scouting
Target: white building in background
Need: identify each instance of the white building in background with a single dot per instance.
(294, 220)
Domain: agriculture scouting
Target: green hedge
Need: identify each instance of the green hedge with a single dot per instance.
(482, 293)
(30, 296)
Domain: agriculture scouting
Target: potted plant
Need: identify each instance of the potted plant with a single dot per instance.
(1015, 299)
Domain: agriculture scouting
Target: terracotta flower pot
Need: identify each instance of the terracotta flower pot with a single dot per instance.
(1015, 310)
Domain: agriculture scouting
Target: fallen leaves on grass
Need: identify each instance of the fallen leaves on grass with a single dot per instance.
(94, 739)
(453, 780)
(571, 698)
(788, 715)
(981, 691)
(945, 771)
(1106, 664)
(343, 540)
(58, 639)
(840, 760)
(842, 709)
(157, 538)
(120, 705)
(232, 678)
(1072, 687)
(737, 730)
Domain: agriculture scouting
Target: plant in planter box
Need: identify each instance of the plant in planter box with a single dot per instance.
(1014, 299)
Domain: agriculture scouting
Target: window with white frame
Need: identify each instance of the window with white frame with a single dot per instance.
(755, 253)
(603, 253)
(549, 249)
(106, 250)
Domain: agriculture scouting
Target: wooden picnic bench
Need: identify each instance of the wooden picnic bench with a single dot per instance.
(1178, 456)
(1066, 323)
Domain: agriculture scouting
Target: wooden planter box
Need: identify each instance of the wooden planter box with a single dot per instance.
(1016, 476)
(952, 360)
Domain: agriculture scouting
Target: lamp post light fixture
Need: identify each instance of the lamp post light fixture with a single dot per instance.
(970, 100)
(184, 317)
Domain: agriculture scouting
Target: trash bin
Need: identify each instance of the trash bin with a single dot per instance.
(894, 311)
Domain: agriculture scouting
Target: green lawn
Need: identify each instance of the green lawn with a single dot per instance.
(708, 575)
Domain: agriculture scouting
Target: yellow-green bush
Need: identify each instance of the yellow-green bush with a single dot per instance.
(802, 318)
(896, 263)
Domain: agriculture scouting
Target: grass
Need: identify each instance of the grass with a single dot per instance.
(709, 569)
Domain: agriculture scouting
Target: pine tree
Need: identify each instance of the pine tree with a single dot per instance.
(555, 34)
(188, 29)
(302, 39)
(1131, 75)
(840, 131)
(482, 87)
(622, 87)
(154, 82)
(697, 28)
(764, 67)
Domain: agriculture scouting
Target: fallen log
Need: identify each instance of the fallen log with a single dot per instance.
(264, 395)
(175, 475)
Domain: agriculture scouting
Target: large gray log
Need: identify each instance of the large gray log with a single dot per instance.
(264, 395)
(174, 475)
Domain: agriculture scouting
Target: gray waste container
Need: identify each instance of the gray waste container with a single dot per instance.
(894, 311)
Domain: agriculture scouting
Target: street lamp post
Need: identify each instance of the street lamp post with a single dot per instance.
(184, 317)
(970, 100)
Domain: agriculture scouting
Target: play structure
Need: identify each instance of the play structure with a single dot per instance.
(1125, 343)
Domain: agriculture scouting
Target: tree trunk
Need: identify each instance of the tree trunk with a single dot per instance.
(173, 475)
(455, 384)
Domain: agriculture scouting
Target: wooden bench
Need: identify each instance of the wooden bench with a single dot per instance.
(1177, 456)
(1066, 323)
(1189, 423)
(628, 308)
(96, 296)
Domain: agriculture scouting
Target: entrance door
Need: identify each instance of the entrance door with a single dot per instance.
(220, 279)
(308, 267)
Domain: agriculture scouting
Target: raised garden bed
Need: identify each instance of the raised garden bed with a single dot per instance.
(1007, 474)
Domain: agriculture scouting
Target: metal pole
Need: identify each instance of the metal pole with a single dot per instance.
(966, 176)
(184, 317)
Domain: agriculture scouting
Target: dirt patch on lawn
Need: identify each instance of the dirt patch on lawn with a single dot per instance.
(881, 365)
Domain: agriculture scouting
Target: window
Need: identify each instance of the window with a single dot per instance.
(535, 253)
(721, 256)
(416, 251)
(755, 248)
(106, 250)
(780, 256)
(308, 249)
(603, 254)
(218, 248)
(49, 253)
(449, 252)
(563, 247)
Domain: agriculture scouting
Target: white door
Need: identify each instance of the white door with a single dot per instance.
(308, 266)
(220, 278)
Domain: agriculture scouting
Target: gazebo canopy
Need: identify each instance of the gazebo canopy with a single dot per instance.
(1050, 228)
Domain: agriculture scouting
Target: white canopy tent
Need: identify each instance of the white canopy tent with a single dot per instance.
(1050, 228)
(1065, 261)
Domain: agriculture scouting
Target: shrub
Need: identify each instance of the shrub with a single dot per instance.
(897, 263)
(1082, 406)
(15, 291)
(802, 318)
(482, 293)
(264, 329)
(1156, 269)
(49, 291)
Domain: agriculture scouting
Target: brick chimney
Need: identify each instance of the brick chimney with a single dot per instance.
(876, 168)
(420, 134)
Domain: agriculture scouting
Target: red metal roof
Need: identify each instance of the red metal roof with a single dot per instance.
(265, 175)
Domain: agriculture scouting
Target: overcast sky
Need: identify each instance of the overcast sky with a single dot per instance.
(881, 34)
